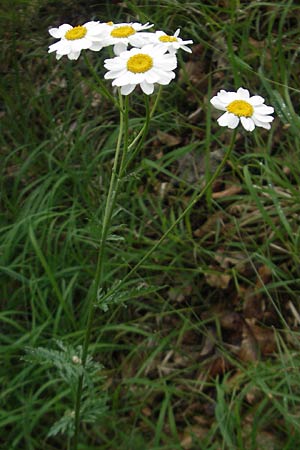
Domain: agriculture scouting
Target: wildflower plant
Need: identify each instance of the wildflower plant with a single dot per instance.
(144, 59)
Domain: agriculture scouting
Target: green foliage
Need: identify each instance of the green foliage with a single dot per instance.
(67, 362)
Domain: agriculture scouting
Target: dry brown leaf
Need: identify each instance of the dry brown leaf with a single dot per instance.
(168, 139)
(218, 366)
(196, 430)
(264, 337)
(253, 395)
(232, 259)
(210, 225)
(218, 280)
(209, 343)
(257, 44)
(147, 411)
(249, 351)
(232, 190)
(231, 320)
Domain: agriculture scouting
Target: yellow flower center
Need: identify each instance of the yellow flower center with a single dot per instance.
(76, 33)
(110, 23)
(139, 63)
(123, 32)
(240, 108)
(166, 38)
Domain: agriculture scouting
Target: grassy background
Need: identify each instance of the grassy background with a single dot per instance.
(204, 354)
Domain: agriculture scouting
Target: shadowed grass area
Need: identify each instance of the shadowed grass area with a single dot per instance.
(200, 347)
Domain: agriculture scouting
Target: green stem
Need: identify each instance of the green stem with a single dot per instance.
(110, 202)
(142, 133)
(126, 146)
(195, 199)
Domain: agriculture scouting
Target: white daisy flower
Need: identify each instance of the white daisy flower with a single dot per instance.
(122, 34)
(145, 66)
(74, 39)
(239, 106)
(173, 43)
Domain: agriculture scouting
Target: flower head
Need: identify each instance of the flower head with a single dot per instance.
(173, 43)
(239, 106)
(145, 66)
(122, 34)
(74, 39)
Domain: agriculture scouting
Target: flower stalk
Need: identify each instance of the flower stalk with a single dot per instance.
(109, 208)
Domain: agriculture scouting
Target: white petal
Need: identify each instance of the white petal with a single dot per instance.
(171, 49)
(54, 47)
(74, 55)
(122, 81)
(264, 109)
(186, 49)
(223, 120)
(233, 121)
(127, 89)
(215, 101)
(166, 62)
(247, 123)
(119, 48)
(63, 47)
(258, 123)
(96, 46)
(227, 97)
(151, 76)
(79, 44)
(98, 30)
(167, 78)
(60, 31)
(136, 40)
(114, 63)
(114, 74)
(228, 120)
(55, 33)
(263, 118)
(256, 100)
(137, 77)
(91, 23)
(243, 93)
(147, 88)
(161, 74)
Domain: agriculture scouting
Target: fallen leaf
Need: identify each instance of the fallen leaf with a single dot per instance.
(188, 441)
(168, 139)
(232, 190)
(218, 280)
(264, 337)
(249, 351)
(210, 225)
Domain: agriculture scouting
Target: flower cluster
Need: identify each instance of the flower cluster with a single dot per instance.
(150, 59)
(146, 58)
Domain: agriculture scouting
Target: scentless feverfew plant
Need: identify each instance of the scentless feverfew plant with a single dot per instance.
(143, 61)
